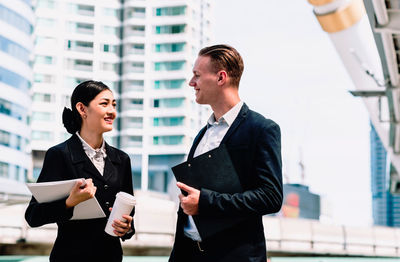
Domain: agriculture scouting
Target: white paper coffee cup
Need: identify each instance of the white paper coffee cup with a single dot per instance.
(123, 205)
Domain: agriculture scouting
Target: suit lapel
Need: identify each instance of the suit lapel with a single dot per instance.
(241, 116)
(111, 161)
(196, 142)
(81, 161)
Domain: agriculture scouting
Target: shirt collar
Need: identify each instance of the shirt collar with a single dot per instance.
(228, 117)
(90, 151)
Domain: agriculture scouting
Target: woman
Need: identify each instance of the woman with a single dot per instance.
(106, 171)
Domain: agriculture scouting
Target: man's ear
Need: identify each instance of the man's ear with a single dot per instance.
(222, 77)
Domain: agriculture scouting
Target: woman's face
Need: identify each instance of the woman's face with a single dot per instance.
(100, 113)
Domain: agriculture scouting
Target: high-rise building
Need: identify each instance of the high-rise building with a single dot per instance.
(159, 117)
(144, 50)
(385, 206)
(16, 44)
(74, 41)
(299, 202)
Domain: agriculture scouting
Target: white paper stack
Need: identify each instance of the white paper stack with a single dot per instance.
(52, 191)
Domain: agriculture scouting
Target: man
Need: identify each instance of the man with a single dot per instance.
(253, 143)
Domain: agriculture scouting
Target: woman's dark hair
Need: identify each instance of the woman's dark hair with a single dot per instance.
(84, 93)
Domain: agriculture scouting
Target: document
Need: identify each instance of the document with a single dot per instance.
(212, 170)
(51, 191)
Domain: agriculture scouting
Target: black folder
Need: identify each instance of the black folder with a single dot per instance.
(212, 170)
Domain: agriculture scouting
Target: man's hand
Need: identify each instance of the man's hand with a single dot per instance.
(189, 203)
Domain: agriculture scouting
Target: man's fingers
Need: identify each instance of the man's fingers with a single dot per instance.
(184, 187)
(181, 197)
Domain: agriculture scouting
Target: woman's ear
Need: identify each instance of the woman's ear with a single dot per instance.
(81, 109)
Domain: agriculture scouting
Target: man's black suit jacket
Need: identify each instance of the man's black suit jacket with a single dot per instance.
(254, 146)
(82, 240)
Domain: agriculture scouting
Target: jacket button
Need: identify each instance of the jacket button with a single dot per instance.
(107, 204)
(105, 186)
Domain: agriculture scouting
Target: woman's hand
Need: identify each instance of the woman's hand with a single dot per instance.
(82, 191)
(120, 227)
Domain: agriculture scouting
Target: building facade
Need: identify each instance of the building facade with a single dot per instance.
(299, 202)
(16, 45)
(144, 50)
(385, 205)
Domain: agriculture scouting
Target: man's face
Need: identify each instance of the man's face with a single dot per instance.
(205, 81)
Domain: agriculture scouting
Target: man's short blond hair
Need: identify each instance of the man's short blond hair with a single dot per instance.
(225, 57)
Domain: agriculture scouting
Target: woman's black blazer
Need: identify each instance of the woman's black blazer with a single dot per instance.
(82, 240)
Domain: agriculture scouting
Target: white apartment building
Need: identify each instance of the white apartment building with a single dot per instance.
(144, 50)
(16, 44)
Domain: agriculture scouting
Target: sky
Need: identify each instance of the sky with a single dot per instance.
(294, 76)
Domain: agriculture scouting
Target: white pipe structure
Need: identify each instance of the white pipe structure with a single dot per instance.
(347, 24)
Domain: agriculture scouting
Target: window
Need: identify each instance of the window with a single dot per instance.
(46, 4)
(40, 97)
(72, 82)
(13, 110)
(109, 67)
(137, 179)
(111, 30)
(170, 11)
(12, 79)
(170, 102)
(42, 116)
(14, 19)
(83, 65)
(5, 138)
(80, 28)
(135, 141)
(169, 84)
(137, 101)
(14, 49)
(139, 83)
(137, 30)
(137, 12)
(107, 48)
(170, 29)
(86, 10)
(80, 46)
(42, 78)
(111, 84)
(42, 135)
(46, 60)
(168, 121)
(158, 181)
(169, 66)
(137, 49)
(169, 47)
(45, 22)
(133, 85)
(4, 167)
(45, 42)
(134, 122)
(167, 140)
(110, 12)
(137, 67)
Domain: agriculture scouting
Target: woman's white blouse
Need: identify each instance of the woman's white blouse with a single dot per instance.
(97, 156)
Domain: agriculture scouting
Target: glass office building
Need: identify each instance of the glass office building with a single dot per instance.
(144, 50)
(385, 206)
(16, 45)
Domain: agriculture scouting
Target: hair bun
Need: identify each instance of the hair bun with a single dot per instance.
(69, 121)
